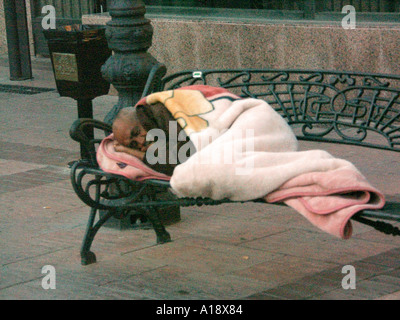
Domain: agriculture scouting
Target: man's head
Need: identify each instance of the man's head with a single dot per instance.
(128, 131)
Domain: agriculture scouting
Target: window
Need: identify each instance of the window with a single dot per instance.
(381, 10)
(232, 4)
(359, 5)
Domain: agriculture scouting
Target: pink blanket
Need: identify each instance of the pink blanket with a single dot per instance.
(124, 164)
(329, 199)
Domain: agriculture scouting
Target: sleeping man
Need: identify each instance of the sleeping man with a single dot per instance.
(133, 128)
(264, 164)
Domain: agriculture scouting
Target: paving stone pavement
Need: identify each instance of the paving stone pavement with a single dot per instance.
(248, 251)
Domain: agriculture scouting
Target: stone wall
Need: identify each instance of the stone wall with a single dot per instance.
(181, 45)
(184, 44)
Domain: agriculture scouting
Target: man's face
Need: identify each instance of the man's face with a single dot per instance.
(130, 133)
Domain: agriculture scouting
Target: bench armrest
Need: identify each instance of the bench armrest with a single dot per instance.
(82, 131)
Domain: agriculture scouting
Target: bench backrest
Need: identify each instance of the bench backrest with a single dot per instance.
(342, 107)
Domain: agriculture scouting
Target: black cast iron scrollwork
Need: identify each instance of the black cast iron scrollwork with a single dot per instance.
(343, 107)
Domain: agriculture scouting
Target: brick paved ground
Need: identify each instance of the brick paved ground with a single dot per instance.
(249, 251)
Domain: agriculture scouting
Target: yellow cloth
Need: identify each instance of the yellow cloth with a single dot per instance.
(185, 106)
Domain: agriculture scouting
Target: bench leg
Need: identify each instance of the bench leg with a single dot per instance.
(162, 234)
(88, 257)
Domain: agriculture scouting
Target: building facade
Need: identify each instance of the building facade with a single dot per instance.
(308, 34)
(295, 34)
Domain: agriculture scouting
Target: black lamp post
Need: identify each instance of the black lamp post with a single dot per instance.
(129, 35)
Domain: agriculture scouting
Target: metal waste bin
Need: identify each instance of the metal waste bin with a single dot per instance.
(77, 53)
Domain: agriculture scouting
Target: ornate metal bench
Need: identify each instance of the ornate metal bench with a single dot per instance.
(337, 107)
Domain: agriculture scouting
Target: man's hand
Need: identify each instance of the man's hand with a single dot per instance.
(136, 153)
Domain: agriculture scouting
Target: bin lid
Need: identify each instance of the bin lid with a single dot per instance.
(75, 32)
